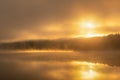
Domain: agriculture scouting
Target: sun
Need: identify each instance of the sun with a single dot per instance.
(89, 28)
(88, 24)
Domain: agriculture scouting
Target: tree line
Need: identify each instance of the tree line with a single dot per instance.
(110, 42)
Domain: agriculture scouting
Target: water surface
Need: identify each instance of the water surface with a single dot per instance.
(58, 66)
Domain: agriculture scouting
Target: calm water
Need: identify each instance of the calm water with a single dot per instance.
(59, 66)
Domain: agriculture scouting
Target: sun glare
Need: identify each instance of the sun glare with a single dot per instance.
(88, 24)
(86, 72)
(92, 35)
(89, 27)
(89, 74)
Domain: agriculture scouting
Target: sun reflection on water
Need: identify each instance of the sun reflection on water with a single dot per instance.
(86, 70)
(53, 66)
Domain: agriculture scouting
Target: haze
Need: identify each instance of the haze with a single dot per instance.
(51, 19)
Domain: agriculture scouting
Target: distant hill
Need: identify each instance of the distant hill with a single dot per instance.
(110, 42)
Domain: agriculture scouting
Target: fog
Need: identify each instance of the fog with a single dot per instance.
(58, 66)
(36, 19)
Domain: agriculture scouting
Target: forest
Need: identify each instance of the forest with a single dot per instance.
(109, 42)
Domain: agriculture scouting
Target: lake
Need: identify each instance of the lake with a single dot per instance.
(59, 65)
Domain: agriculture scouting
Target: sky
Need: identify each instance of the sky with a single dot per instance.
(51, 19)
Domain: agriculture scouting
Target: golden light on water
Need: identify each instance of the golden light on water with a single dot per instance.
(87, 71)
(94, 71)
(49, 51)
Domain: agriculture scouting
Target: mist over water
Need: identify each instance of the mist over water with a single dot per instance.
(59, 65)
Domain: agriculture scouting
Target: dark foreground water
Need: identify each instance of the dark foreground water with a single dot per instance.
(60, 65)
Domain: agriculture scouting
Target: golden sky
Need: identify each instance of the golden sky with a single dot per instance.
(51, 19)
